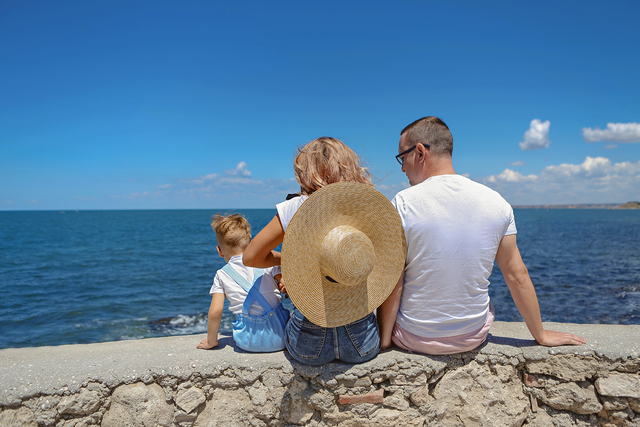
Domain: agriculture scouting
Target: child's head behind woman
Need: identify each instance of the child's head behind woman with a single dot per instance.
(325, 161)
(233, 232)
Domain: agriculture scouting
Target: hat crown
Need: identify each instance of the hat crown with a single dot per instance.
(347, 256)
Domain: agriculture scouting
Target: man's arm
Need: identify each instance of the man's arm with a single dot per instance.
(524, 295)
(387, 313)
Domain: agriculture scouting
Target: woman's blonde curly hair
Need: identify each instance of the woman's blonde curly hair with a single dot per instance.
(325, 161)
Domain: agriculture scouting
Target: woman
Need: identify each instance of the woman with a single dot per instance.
(321, 162)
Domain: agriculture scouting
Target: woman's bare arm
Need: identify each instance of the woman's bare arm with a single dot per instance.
(260, 252)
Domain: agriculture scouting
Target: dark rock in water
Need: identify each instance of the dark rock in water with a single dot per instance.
(163, 321)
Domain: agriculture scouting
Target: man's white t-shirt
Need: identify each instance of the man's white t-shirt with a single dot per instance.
(224, 284)
(453, 228)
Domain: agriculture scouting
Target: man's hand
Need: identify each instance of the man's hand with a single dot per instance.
(206, 345)
(554, 338)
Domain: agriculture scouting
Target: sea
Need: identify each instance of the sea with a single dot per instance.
(70, 277)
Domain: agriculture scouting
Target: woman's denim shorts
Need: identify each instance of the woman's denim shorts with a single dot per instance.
(311, 344)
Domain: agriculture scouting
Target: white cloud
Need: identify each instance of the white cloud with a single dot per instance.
(609, 147)
(627, 168)
(517, 163)
(596, 180)
(615, 132)
(241, 170)
(509, 175)
(537, 136)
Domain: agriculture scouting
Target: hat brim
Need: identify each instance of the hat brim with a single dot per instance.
(357, 205)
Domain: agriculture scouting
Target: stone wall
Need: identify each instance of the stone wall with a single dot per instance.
(509, 381)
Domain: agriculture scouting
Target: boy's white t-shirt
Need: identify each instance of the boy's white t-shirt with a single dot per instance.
(224, 284)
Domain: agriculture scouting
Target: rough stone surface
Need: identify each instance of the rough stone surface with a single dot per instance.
(619, 385)
(566, 367)
(139, 405)
(471, 395)
(510, 380)
(228, 408)
(190, 399)
(300, 411)
(21, 417)
(397, 401)
(84, 403)
(570, 397)
(541, 419)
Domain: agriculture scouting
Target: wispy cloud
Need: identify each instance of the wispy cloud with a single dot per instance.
(200, 180)
(615, 132)
(232, 187)
(596, 180)
(391, 190)
(517, 163)
(537, 136)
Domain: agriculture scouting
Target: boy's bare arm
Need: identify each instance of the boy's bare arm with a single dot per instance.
(213, 322)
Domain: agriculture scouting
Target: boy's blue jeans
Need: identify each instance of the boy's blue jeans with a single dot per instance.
(311, 344)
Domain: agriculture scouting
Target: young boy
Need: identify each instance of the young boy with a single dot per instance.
(233, 234)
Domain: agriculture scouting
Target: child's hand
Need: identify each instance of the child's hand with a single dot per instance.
(206, 345)
(282, 288)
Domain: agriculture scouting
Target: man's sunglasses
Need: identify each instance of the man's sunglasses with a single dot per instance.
(399, 157)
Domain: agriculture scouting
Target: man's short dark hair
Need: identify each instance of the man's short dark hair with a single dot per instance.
(430, 130)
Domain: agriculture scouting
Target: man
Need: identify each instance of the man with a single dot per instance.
(455, 229)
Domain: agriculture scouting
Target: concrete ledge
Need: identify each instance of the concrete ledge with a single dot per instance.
(510, 380)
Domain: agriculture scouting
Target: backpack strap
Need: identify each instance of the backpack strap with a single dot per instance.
(244, 283)
(253, 291)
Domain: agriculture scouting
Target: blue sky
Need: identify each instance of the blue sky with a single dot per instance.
(172, 105)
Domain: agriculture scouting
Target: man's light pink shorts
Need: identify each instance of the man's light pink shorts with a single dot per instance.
(447, 345)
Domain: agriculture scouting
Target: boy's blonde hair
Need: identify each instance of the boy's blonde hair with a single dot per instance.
(233, 232)
(325, 161)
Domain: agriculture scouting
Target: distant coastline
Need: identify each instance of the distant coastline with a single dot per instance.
(629, 205)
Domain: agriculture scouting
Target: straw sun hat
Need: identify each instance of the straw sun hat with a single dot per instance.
(343, 253)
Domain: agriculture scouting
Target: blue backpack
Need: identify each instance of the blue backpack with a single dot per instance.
(263, 333)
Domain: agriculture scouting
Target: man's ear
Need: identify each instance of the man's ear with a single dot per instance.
(220, 251)
(422, 152)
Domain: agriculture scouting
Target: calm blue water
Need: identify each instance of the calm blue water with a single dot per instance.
(92, 276)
